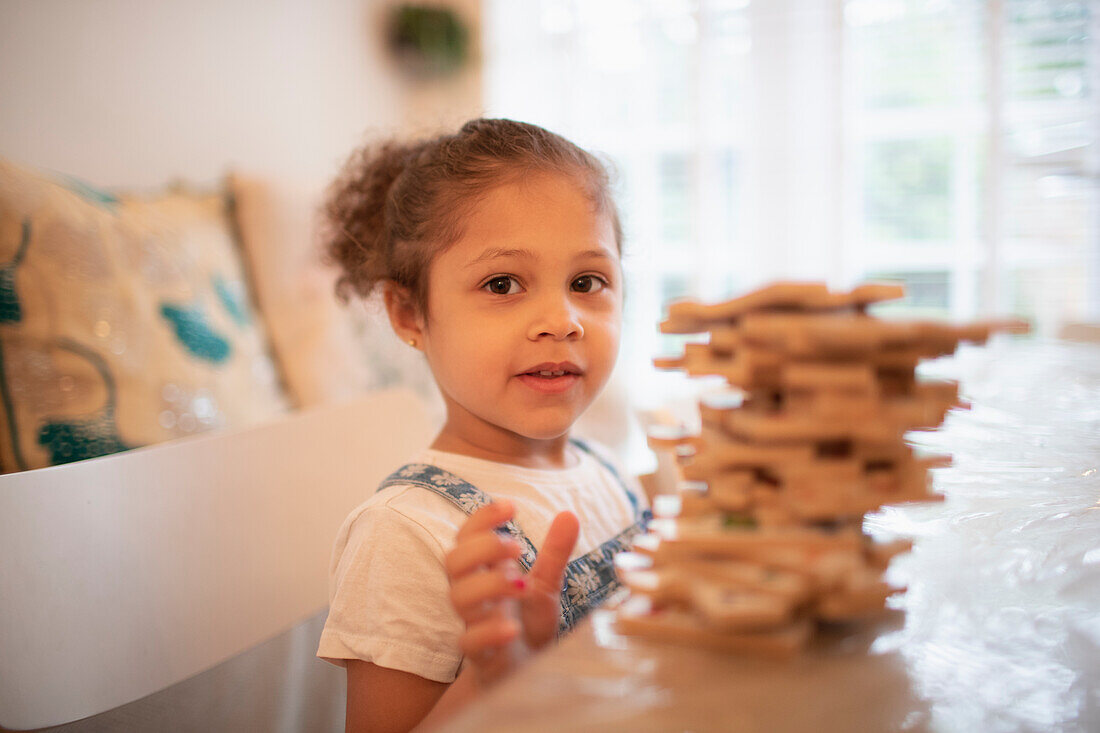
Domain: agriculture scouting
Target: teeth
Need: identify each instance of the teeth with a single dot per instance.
(550, 374)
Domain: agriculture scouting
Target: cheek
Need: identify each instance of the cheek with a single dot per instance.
(605, 337)
(462, 351)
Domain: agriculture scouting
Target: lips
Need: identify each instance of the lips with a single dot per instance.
(550, 369)
(551, 377)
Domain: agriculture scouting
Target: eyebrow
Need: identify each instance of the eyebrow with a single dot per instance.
(494, 253)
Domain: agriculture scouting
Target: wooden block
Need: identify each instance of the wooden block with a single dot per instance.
(877, 452)
(732, 368)
(821, 336)
(746, 368)
(639, 617)
(798, 296)
(828, 405)
(900, 358)
(943, 392)
(714, 406)
(706, 536)
(818, 496)
(789, 427)
(737, 610)
(696, 504)
(713, 458)
(670, 362)
(692, 316)
(832, 569)
(938, 338)
(876, 292)
(854, 335)
(854, 604)
(662, 586)
(977, 333)
(773, 513)
(725, 339)
(848, 379)
(734, 574)
(669, 437)
(730, 490)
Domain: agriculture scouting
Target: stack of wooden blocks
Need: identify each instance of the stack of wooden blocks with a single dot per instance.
(765, 538)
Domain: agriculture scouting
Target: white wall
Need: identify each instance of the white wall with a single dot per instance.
(134, 93)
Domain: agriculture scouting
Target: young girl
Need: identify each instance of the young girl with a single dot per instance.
(497, 251)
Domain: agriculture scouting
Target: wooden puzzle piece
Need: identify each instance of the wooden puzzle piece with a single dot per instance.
(704, 536)
(853, 604)
(876, 292)
(732, 609)
(767, 532)
(792, 587)
(714, 457)
(639, 617)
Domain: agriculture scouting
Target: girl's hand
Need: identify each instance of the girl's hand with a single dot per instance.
(540, 607)
(506, 614)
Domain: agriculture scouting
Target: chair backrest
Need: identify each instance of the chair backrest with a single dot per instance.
(125, 574)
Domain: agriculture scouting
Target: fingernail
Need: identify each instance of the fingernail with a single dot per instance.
(520, 583)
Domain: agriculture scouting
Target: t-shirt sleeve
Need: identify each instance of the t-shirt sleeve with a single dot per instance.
(390, 601)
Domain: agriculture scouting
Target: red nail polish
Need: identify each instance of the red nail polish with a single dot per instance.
(520, 583)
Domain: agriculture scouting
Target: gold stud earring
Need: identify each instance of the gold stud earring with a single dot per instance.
(412, 343)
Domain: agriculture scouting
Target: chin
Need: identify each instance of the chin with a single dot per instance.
(548, 430)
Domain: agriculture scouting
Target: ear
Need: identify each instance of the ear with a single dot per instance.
(404, 314)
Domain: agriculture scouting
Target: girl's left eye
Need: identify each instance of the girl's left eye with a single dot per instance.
(502, 285)
(589, 284)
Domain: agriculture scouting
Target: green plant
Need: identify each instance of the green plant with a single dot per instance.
(429, 40)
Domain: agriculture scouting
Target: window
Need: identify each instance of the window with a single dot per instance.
(951, 144)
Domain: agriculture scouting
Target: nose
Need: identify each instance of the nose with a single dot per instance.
(556, 318)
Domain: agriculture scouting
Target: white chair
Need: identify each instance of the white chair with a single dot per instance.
(124, 575)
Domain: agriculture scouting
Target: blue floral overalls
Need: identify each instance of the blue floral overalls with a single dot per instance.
(589, 579)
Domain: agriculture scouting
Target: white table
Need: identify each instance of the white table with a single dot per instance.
(999, 629)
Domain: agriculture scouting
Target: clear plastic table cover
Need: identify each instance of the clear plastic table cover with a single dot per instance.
(999, 629)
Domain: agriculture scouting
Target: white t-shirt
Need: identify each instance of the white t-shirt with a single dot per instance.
(388, 590)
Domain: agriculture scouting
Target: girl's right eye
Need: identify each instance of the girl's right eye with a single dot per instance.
(502, 285)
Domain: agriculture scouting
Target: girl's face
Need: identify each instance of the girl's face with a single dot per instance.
(525, 314)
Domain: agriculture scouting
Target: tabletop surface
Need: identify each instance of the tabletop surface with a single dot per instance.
(999, 629)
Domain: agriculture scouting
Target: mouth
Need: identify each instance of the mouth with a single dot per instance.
(551, 378)
(552, 370)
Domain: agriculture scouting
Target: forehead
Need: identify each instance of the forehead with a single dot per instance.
(543, 212)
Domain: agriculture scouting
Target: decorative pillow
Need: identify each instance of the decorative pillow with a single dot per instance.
(314, 345)
(124, 321)
(328, 353)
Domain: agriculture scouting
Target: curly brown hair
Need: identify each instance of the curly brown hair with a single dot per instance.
(396, 205)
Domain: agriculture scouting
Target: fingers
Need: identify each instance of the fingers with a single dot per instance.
(487, 548)
(556, 549)
(481, 566)
(484, 642)
(486, 518)
(475, 594)
(495, 631)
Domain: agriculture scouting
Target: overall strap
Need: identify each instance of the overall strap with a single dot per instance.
(461, 493)
(589, 579)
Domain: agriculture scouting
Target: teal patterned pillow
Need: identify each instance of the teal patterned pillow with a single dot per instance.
(124, 321)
